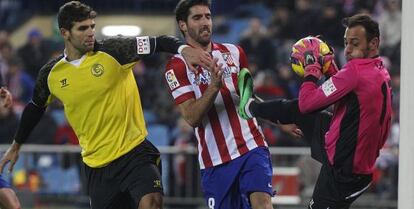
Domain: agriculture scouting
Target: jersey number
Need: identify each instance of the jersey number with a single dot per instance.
(211, 203)
(384, 102)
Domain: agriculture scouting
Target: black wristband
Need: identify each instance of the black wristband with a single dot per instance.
(310, 78)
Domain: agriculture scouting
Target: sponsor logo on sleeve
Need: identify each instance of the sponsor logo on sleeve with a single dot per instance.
(171, 79)
(143, 45)
(328, 87)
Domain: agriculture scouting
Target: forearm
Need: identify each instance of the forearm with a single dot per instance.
(277, 110)
(195, 111)
(168, 44)
(30, 117)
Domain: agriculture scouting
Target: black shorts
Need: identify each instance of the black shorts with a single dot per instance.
(124, 181)
(336, 188)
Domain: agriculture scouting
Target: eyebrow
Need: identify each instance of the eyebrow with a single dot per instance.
(201, 14)
(83, 27)
(352, 39)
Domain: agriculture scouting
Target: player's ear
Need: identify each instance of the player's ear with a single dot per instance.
(64, 33)
(182, 25)
(374, 43)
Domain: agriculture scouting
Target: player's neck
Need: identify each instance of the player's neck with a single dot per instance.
(198, 45)
(72, 53)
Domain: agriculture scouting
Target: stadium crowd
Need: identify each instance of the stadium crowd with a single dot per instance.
(263, 28)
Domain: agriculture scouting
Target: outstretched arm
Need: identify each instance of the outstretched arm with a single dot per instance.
(128, 50)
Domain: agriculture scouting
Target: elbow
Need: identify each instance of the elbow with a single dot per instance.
(193, 122)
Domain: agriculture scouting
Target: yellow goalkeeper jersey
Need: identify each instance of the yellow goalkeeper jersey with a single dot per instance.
(100, 97)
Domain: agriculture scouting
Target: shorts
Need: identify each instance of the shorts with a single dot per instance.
(4, 183)
(124, 181)
(336, 188)
(229, 185)
(336, 191)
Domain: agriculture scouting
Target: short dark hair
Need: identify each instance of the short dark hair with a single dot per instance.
(182, 10)
(370, 25)
(74, 11)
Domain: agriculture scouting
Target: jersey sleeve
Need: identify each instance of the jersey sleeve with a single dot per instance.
(34, 111)
(129, 50)
(41, 95)
(177, 80)
(244, 62)
(313, 97)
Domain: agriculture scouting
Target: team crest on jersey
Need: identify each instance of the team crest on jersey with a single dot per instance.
(202, 77)
(228, 58)
(171, 79)
(97, 70)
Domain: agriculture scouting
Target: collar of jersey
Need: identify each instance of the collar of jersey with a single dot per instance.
(76, 62)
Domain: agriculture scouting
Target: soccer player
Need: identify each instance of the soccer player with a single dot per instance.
(235, 163)
(95, 83)
(8, 198)
(347, 142)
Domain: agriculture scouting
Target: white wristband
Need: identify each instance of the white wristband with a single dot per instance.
(180, 49)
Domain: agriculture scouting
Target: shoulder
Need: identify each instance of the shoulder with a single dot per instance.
(234, 49)
(45, 70)
(176, 63)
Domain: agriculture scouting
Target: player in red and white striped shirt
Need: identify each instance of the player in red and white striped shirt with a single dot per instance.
(234, 159)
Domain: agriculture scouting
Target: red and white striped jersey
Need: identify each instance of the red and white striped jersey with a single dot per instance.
(223, 135)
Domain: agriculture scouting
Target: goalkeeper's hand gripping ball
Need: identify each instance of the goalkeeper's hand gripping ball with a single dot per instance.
(321, 52)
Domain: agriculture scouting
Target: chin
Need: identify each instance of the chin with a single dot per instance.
(90, 48)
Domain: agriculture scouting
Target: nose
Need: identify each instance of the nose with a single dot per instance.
(205, 20)
(91, 31)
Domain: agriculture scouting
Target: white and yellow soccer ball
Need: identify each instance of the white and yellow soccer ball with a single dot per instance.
(309, 43)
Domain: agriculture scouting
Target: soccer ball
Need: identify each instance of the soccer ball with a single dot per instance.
(297, 65)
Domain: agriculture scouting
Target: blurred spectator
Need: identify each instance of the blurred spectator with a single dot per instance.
(184, 138)
(65, 135)
(304, 20)
(20, 83)
(35, 52)
(4, 38)
(9, 13)
(390, 27)
(309, 170)
(281, 25)
(6, 52)
(288, 81)
(257, 45)
(266, 86)
(330, 27)
(387, 163)
(8, 124)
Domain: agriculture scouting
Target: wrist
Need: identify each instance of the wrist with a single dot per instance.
(313, 70)
(15, 145)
